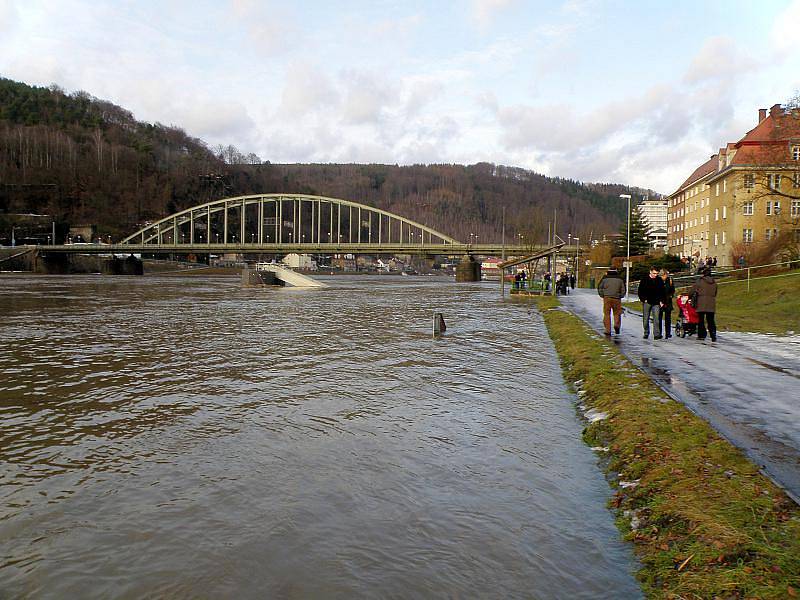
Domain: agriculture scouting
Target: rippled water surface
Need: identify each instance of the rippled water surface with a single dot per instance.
(185, 437)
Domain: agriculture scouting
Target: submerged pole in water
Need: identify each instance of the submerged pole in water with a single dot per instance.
(439, 326)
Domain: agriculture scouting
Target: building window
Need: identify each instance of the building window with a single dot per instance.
(723, 238)
(796, 208)
(717, 190)
(724, 214)
(796, 180)
(749, 181)
(795, 152)
(716, 239)
(747, 235)
(747, 208)
(776, 207)
(716, 214)
(774, 181)
(767, 232)
(724, 185)
(769, 207)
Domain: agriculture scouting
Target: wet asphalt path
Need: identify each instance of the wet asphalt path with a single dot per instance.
(746, 385)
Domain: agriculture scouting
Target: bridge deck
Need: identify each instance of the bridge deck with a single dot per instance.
(362, 248)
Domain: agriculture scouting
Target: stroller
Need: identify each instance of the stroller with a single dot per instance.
(688, 319)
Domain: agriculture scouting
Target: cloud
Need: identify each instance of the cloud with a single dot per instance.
(214, 119)
(558, 128)
(485, 11)
(269, 27)
(307, 89)
(367, 97)
(784, 30)
(719, 58)
(9, 16)
(419, 92)
(393, 29)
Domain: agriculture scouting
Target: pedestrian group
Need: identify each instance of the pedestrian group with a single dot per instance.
(657, 292)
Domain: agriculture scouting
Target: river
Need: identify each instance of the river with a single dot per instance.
(185, 437)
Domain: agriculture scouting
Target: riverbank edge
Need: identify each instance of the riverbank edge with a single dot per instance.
(704, 522)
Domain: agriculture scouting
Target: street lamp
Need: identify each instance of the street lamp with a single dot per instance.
(628, 260)
(577, 268)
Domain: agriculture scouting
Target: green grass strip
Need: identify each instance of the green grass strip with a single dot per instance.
(704, 522)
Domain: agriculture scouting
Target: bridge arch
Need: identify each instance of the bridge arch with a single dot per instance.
(286, 219)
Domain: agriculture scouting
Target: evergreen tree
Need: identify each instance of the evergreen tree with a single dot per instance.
(639, 243)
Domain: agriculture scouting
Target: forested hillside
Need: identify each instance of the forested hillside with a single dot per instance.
(84, 160)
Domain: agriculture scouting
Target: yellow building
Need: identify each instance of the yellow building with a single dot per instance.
(687, 213)
(744, 203)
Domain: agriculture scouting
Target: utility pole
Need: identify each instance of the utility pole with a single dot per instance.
(504, 237)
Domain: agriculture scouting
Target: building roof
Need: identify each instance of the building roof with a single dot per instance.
(702, 171)
(766, 144)
(758, 146)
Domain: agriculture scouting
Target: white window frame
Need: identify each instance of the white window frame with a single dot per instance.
(723, 238)
(716, 214)
(724, 214)
(774, 181)
(747, 208)
(795, 208)
(747, 235)
(776, 207)
(796, 152)
(749, 181)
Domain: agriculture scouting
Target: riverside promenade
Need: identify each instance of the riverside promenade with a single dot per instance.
(747, 385)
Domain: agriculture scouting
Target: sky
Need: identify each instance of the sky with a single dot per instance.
(639, 92)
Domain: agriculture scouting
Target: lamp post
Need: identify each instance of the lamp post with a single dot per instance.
(577, 269)
(628, 258)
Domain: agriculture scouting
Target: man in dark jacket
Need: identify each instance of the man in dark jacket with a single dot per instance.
(611, 289)
(706, 289)
(652, 293)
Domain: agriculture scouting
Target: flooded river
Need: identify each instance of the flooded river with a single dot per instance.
(185, 437)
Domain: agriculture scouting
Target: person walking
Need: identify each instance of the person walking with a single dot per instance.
(572, 280)
(666, 307)
(651, 293)
(706, 305)
(611, 289)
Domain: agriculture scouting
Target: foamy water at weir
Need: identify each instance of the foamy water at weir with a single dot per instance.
(186, 437)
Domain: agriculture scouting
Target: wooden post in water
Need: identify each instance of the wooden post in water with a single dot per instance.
(439, 326)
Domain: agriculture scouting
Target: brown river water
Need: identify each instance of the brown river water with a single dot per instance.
(188, 438)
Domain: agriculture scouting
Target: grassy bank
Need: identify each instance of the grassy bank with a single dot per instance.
(771, 306)
(705, 523)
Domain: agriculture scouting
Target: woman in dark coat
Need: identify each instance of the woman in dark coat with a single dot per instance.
(666, 308)
(706, 289)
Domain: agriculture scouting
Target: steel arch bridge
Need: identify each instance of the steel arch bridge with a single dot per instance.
(285, 222)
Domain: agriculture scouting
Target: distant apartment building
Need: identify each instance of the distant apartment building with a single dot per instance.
(654, 216)
(747, 193)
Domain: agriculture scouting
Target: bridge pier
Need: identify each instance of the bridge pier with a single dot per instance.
(63, 264)
(468, 270)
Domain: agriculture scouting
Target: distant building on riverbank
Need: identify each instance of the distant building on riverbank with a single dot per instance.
(654, 216)
(744, 200)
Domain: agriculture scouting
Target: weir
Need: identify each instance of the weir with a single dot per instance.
(275, 274)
